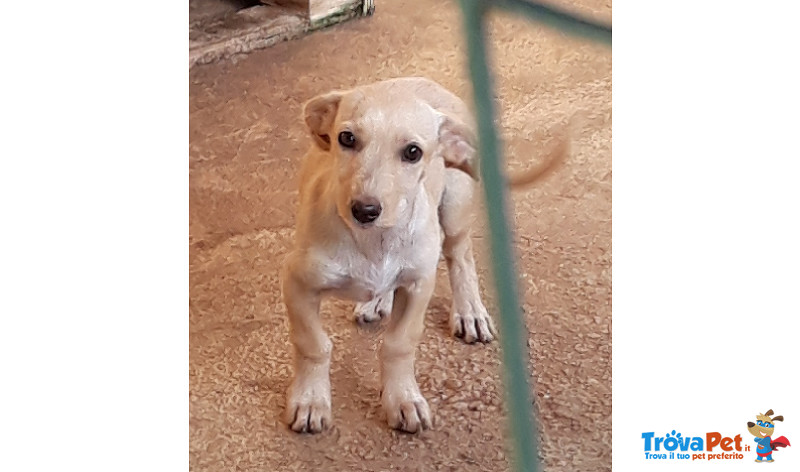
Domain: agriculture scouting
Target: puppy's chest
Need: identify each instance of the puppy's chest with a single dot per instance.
(376, 263)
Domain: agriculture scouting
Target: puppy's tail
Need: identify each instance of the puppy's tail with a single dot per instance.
(555, 155)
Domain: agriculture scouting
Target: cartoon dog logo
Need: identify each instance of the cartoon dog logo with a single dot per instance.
(762, 429)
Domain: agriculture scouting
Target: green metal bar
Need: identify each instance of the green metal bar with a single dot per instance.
(512, 340)
(512, 328)
(559, 19)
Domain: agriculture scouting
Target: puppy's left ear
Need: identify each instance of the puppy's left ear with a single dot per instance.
(458, 143)
(320, 112)
(778, 418)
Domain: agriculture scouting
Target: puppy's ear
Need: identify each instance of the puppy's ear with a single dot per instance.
(778, 418)
(769, 412)
(458, 142)
(319, 114)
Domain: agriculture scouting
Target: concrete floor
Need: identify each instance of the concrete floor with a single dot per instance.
(246, 142)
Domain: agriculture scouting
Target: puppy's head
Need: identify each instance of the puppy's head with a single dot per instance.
(390, 147)
(764, 425)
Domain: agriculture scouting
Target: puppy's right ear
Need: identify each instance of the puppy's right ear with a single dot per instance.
(319, 114)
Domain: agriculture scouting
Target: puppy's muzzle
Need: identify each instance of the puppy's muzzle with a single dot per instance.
(366, 211)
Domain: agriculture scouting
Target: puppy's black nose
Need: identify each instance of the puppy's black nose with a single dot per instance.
(366, 210)
(750, 424)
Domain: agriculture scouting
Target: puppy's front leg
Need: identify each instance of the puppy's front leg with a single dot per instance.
(308, 401)
(405, 407)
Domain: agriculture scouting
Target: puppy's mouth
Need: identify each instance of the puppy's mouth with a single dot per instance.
(763, 433)
(376, 224)
(367, 225)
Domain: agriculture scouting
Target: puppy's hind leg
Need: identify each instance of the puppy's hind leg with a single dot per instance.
(308, 401)
(375, 309)
(469, 319)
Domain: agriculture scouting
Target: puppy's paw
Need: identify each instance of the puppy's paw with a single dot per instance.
(406, 410)
(375, 309)
(308, 406)
(471, 322)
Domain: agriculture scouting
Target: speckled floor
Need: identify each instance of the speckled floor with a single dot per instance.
(246, 142)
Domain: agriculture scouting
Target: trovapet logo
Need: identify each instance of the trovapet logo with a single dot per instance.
(711, 446)
(717, 446)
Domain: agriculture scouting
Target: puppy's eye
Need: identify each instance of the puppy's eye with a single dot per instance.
(347, 139)
(412, 153)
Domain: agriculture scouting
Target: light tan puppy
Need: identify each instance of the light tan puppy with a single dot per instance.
(387, 185)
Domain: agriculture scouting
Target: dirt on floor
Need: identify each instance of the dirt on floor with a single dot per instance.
(246, 142)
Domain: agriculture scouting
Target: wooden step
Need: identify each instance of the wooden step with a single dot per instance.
(219, 29)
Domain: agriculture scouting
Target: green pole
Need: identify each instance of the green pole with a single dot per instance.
(512, 327)
(558, 19)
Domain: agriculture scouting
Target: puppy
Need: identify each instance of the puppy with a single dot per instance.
(386, 187)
